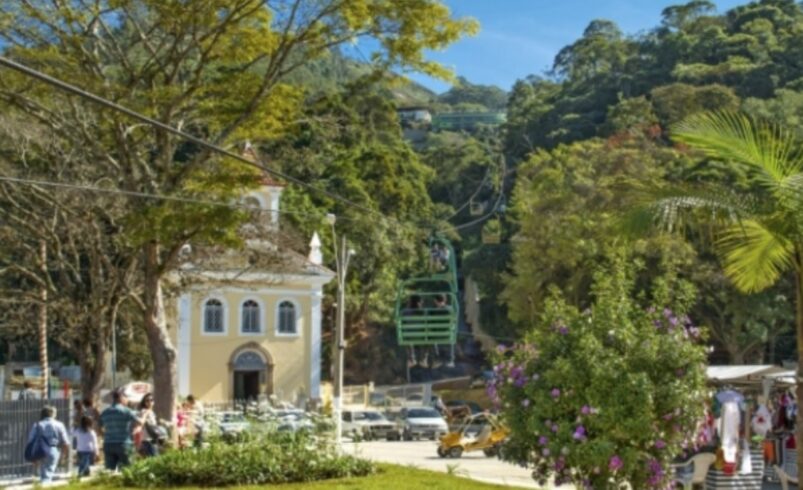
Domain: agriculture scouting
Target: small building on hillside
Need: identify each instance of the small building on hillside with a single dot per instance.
(414, 116)
(250, 326)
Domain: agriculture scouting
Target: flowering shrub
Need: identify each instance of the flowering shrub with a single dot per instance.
(606, 396)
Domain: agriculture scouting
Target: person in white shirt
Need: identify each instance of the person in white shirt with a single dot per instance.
(86, 443)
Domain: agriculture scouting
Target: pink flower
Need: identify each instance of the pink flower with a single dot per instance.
(660, 444)
(555, 392)
(585, 410)
(616, 463)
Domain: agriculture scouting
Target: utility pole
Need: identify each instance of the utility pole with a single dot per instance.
(342, 256)
(42, 318)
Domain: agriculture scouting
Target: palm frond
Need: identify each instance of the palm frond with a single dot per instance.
(754, 255)
(671, 207)
(766, 147)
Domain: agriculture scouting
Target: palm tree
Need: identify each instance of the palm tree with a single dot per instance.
(760, 232)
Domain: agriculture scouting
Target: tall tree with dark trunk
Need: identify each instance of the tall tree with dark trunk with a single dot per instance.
(218, 70)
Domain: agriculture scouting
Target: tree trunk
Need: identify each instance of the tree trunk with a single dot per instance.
(93, 362)
(163, 354)
(799, 334)
(42, 320)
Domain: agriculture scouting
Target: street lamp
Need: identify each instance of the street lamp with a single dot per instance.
(342, 258)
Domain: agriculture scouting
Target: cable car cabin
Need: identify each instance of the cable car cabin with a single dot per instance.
(477, 208)
(426, 318)
(492, 232)
(427, 308)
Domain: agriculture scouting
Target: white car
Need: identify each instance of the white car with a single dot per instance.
(293, 420)
(420, 422)
(231, 423)
(369, 424)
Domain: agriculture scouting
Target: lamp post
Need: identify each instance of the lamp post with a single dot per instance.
(342, 257)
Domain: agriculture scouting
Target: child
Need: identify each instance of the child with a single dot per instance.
(86, 444)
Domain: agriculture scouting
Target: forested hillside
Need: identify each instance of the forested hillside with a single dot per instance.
(598, 124)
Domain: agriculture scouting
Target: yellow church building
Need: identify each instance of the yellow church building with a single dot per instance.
(246, 332)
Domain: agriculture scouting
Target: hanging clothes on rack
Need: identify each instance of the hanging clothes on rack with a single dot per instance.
(729, 432)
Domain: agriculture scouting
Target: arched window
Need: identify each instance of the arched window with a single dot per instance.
(250, 317)
(287, 318)
(213, 316)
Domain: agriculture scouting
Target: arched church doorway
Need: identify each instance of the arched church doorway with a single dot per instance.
(251, 369)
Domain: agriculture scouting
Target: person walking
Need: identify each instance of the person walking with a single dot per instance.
(117, 423)
(27, 392)
(56, 439)
(149, 444)
(86, 443)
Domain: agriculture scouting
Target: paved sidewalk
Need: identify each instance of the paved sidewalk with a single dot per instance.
(421, 454)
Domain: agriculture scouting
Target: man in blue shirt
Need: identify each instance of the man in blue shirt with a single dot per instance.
(55, 435)
(117, 422)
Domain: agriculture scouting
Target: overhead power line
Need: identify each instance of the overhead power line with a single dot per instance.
(38, 75)
(145, 195)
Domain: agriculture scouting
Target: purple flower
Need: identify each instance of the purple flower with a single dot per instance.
(615, 463)
(585, 410)
(560, 463)
(579, 433)
(545, 451)
(501, 348)
(555, 392)
(674, 321)
(660, 444)
(543, 440)
(525, 403)
(563, 330)
(667, 312)
(555, 428)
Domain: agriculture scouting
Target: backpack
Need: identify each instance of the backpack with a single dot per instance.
(156, 433)
(38, 448)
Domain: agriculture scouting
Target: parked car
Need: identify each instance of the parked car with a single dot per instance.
(232, 423)
(293, 420)
(482, 379)
(419, 422)
(369, 424)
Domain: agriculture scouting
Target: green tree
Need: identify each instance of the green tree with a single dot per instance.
(562, 208)
(220, 71)
(617, 421)
(464, 92)
(761, 238)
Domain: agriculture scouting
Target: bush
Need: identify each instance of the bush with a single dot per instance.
(605, 397)
(261, 459)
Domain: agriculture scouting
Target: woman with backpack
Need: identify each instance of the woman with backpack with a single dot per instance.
(47, 441)
(152, 434)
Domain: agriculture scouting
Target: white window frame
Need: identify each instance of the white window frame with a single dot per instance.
(225, 305)
(297, 309)
(262, 317)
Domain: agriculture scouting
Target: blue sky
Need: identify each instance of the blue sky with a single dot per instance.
(521, 37)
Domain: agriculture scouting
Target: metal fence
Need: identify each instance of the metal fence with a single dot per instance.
(16, 420)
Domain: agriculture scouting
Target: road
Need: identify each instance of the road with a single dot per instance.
(421, 454)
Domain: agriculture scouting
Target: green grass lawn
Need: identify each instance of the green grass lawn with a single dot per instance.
(388, 477)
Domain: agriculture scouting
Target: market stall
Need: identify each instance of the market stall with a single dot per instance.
(750, 419)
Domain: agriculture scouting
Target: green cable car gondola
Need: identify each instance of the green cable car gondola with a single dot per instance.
(427, 308)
